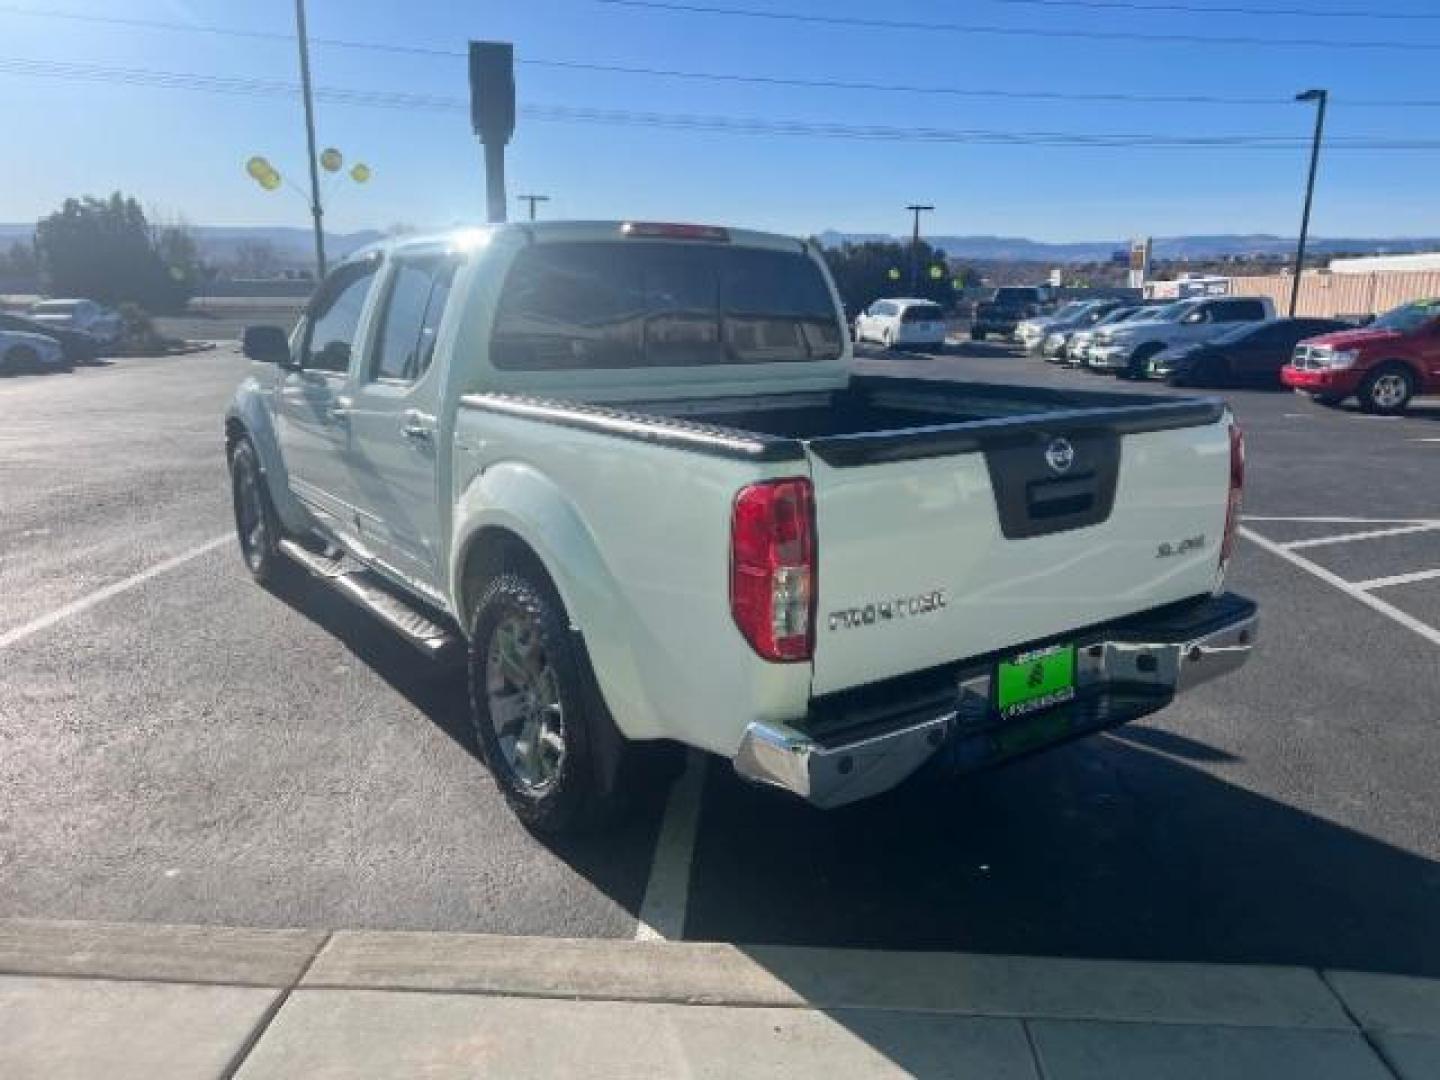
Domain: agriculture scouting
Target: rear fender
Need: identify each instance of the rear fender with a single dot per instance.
(523, 501)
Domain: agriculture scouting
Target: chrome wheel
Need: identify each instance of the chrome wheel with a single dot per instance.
(250, 516)
(1390, 391)
(522, 693)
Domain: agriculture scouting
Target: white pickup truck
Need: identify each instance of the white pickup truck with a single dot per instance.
(627, 471)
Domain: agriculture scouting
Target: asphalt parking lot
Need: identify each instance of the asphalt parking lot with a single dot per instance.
(179, 745)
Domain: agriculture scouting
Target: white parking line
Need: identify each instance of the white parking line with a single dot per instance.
(1369, 534)
(1342, 520)
(85, 603)
(1425, 630)
(1398, 579)
(667, 892)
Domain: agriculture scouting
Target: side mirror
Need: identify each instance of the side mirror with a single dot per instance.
(267, 345)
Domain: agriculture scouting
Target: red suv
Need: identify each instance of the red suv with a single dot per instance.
(1384, 364)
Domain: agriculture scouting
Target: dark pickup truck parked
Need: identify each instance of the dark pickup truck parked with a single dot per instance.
(1001, 313)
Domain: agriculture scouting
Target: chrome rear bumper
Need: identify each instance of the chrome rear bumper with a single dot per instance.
(1142, 676)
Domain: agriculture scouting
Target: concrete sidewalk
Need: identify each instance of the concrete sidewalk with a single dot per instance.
(157, 1002)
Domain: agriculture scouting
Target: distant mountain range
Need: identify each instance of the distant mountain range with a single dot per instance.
(1019, 249)
(294, 244)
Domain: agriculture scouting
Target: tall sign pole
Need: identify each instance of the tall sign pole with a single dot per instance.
(915, 208)
(492, 114)
(315, 209)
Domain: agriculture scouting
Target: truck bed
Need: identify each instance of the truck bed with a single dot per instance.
(873, 419)
(885, 419)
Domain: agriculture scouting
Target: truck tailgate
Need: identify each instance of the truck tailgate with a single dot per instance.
(939, 545)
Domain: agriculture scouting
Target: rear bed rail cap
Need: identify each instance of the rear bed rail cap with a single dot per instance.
(965, 437)
(712, 439)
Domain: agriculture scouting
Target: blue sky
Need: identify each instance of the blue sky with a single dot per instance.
(183, 151)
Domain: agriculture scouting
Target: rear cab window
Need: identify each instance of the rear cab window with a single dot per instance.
(570, 305)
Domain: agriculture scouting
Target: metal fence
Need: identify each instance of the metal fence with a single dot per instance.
(1341, 295)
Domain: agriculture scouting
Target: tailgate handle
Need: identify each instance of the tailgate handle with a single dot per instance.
(1058, 498)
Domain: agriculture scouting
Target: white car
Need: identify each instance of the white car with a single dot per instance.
(648, 526)
(100, 322)
(20, 351)
(901, 322)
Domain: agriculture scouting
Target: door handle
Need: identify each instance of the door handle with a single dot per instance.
(416, 425)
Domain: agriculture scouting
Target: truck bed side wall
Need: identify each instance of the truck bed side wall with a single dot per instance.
(636, 538)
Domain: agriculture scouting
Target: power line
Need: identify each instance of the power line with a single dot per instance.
(1208, 9)
(738, 125)
(724, 76)
(862, 22)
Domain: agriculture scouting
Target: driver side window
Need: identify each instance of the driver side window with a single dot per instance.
(335, 317)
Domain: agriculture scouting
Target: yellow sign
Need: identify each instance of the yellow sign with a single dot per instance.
(937, 272)
(360, 173)
(894, 274)
(269, 181)
(331, 159)
(257, 167)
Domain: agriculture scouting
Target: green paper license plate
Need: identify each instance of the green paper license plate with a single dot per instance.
(1035, 680)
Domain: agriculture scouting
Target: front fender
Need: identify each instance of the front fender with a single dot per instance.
(522, 500)
(250, 409)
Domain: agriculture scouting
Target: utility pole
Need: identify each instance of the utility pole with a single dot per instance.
(532, 200)
(915, 208)
(315, 209)
(1320, 97)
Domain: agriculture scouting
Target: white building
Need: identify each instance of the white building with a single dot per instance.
(1390, 264)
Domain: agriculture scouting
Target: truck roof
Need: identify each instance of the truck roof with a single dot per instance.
(469, 236)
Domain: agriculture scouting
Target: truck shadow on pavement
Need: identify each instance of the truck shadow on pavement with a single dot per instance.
(1121, 846)
(1124, 846)
(616, 863)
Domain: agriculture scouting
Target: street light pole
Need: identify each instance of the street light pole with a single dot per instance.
(915, 208)
(532, 200)
(1320, 97)
(315, 209)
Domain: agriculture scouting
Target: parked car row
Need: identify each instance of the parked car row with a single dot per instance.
(1225, 341)
(56, 335)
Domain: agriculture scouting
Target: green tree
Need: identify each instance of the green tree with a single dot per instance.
(103, 249)
(865, 272)
(19, 261)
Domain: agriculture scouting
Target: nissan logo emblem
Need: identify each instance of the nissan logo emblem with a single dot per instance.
(1060, 455)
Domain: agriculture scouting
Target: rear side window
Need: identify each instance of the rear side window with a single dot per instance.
(1237, 311)
(922, 313)
(414, 304)
(637, 304)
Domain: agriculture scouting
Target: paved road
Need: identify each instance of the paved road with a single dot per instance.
(196, 749)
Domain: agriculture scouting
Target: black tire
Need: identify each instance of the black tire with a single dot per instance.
(1387, 390)
(1138, 367)
(257, 526)
(20, 358)
(596, 776)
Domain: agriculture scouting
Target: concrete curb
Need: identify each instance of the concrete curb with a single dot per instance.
(701, 973)
(157, 1002)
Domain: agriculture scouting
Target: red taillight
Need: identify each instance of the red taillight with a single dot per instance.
(670, 230)
(772, 568)
(1237, 487)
